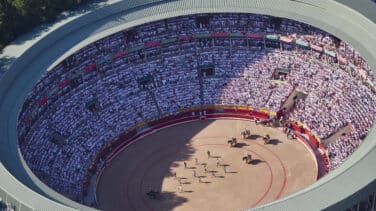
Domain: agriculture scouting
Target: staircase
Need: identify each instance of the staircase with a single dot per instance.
(335, 136)
(155, 102)
(201, 82)
(289, 103)
(268, 97)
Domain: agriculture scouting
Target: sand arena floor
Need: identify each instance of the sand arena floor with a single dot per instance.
(278, 169)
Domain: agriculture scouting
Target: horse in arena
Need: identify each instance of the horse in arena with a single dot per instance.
(266, 139)
(246, 133)
(152, 194)
(232, 142)
(247, 158)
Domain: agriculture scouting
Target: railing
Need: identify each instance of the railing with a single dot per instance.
(12, 202)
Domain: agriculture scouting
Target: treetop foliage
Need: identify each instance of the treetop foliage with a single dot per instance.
(20, 16)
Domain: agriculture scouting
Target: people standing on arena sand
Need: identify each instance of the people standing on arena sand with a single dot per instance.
(194, 173)
(174, 174)
(180, 188)
(217, 162)
(205, 168)
(208, 152)
(185, 165)
(196, 161)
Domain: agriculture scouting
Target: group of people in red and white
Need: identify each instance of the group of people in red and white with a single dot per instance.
(129, 89)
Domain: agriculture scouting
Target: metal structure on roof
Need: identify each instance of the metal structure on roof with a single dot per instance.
(351, 21)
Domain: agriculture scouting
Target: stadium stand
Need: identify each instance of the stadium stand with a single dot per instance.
(155, 70)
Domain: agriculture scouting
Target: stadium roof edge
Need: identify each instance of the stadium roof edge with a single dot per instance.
(360, 31)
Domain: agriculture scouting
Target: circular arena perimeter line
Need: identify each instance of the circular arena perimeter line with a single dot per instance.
(146, 203)
(280, 161)
(270, 171)
(141, 171)
(141, 193)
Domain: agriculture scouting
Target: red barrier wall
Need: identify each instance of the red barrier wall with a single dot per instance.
(303, 130)
(210, 115)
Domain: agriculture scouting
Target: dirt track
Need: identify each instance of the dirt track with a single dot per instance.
(277, 169)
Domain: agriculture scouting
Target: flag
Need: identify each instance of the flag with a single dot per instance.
(43, 100)
(65, 83)
(220, 34)
(152, 44)
(90, 67)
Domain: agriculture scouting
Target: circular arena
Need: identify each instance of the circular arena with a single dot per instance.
(207, 181)
(191, 105)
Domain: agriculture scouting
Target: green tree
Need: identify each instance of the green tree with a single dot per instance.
(8, 15)
(20, 16)
(52, 8)
(30, 12)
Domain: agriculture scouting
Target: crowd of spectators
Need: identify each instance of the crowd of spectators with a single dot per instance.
(334, 100)
(112, 85)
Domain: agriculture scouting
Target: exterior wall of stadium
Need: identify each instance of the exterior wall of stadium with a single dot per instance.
(13, 86)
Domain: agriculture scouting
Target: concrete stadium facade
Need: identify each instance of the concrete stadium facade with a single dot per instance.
(352, 22)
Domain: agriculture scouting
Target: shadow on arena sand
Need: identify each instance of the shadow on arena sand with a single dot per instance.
(147, 171)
